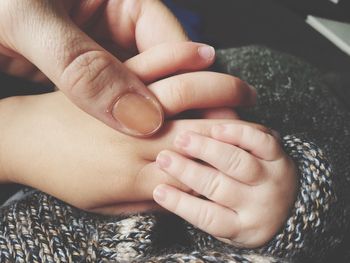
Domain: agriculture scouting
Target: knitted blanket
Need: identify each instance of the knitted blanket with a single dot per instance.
(292, 99)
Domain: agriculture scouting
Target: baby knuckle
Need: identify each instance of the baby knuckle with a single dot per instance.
(257, 174)
(233, 163)
(204, 148)
(211, 186)
(240, 131)
(200, 127)
(206, 217)
(184, 170)
(176, 206)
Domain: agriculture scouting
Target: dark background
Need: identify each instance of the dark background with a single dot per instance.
(278, 24)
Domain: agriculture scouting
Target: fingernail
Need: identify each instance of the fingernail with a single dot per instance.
(137, 114)
(159, 194)
(206, 52)
(163, 160)
(182, 140)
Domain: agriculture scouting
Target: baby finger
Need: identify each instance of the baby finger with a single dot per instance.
(212, 218)
(204, 180)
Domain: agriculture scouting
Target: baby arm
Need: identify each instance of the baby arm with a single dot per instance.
(53, 146)
(248, 182)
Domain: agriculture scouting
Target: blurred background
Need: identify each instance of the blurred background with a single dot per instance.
(279, 24)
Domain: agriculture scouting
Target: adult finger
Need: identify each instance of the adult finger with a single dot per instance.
(200, 90)
(90, 76)
(155, 24)
(170, 58)
(132, 25)
(212, 218)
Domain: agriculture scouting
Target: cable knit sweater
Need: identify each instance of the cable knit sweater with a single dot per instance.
(292, 99)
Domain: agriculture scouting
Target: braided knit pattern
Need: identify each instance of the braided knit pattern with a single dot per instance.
(315, 196)
(214, 257)
(40, 228)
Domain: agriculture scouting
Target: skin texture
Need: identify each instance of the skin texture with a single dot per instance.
(77, 159)
(63, 144)
(61, 119)
(62, 39)
(80, 46)
(244, 173)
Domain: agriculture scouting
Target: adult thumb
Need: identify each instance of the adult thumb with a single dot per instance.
(90, 76)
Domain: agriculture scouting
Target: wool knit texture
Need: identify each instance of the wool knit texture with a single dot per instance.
(294, 100)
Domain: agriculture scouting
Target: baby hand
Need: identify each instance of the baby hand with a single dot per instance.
(247, 181)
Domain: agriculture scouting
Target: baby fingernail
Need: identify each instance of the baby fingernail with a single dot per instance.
(206, 52)
(182, 140)
(163, 160)
(159, 194)
(138, 114)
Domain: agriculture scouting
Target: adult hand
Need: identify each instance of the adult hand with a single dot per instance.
(75, 44)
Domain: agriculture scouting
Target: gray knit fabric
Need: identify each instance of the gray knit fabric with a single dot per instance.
(316, 134)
